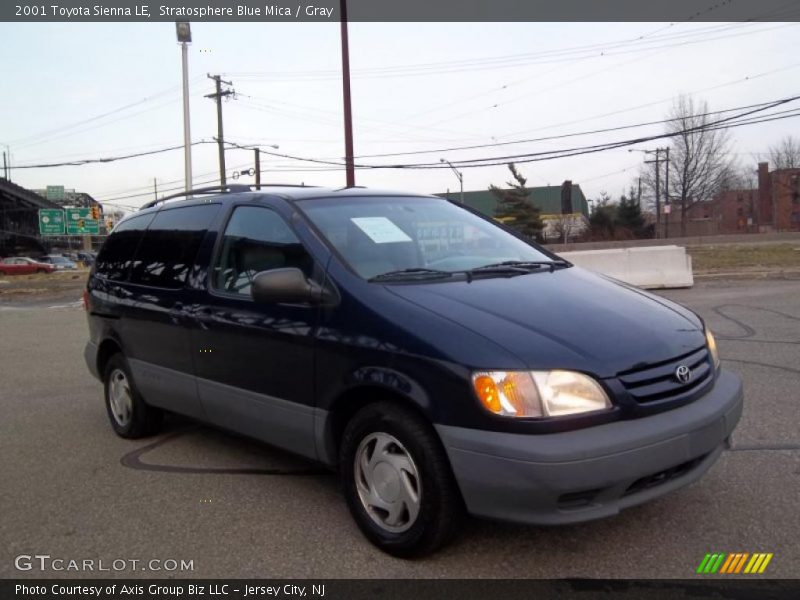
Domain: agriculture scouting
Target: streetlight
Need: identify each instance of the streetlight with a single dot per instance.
(184, 33)
(458, 173)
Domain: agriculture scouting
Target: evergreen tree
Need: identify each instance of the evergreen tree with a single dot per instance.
(629, 215)
(603, 220)
(514, 208)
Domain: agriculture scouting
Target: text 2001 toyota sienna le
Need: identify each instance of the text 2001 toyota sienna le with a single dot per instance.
(440, 362)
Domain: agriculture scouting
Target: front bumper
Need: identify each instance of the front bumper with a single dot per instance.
(594, 472)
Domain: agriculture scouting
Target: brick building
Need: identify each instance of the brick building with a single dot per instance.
(772, 206)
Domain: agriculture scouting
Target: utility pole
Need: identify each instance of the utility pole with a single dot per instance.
(667, 207)
(5, 166)
(657, 152)
(258, 167)
(348, 113)
(218, 96)
(155, 189)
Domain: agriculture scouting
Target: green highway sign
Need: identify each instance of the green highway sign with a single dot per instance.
(80, 222)
(51, 221)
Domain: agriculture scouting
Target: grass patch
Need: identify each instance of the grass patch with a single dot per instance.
(730, 257)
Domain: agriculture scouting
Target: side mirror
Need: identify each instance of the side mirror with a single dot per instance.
(287, 285)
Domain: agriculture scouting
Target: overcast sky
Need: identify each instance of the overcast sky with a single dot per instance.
(60, 79)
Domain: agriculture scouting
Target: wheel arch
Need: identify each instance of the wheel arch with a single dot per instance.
(107, 348)
(331, 423)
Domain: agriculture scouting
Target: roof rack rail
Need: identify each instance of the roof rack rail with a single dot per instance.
(239, 187)
(234, 187)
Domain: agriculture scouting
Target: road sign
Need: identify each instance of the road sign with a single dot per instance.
(51, 221)
(80, 222)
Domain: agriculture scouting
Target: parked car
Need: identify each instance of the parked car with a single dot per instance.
(439, 361)
(60, 263)
(22, 265)
(86, 258)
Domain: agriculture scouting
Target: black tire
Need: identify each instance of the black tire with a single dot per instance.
(143, 419)
(440, 507)
(40, 271)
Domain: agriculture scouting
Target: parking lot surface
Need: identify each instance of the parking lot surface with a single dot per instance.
(73, 490)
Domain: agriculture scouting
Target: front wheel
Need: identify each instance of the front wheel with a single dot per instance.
(130, 415)
(398, 482)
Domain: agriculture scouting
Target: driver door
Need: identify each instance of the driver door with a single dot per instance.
(255, 361)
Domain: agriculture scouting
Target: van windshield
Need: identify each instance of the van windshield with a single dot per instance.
(417, 235)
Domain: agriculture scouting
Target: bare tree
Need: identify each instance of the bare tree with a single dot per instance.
(785, 154)
(700, 165)
(564, 226)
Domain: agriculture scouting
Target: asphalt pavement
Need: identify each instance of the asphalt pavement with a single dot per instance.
(71, 489)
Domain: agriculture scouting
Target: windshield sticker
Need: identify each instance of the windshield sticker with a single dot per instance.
(381, 230)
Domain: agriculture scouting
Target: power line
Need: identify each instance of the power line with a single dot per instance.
(557, 137)
(61, 131)
(87, 161)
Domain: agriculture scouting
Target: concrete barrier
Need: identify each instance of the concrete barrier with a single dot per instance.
(650, 267)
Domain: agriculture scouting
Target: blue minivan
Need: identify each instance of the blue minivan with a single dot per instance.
(442, 363)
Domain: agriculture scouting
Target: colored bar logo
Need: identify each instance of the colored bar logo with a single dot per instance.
(734, 563)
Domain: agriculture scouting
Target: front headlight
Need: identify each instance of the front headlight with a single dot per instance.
(712, 348)
(538, 393)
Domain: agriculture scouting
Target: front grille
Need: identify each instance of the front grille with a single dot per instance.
(659, 382)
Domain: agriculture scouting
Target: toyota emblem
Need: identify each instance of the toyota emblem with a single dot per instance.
(683, 374)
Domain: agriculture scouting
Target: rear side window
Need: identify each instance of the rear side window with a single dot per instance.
(170, 244)
(116, 256)
(256, 239)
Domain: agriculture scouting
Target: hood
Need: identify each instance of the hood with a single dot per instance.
(567, 319)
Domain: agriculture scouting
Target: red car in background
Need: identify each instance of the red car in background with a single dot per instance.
(22, 265)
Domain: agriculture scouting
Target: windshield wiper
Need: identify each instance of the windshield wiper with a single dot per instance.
(519, 266)
(412, 273)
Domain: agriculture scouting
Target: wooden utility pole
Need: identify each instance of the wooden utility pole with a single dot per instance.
(258, 167)
(155, 189)
(218, 96)
(668, 209)
(348, 114)
(657, 152)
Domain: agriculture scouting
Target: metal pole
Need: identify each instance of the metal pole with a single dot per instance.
(461, 181)
(258, 168)
(348, 114)
(187, 135)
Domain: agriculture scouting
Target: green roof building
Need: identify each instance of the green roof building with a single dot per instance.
(546, 198)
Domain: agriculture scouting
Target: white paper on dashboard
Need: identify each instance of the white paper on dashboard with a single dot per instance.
(381, 230)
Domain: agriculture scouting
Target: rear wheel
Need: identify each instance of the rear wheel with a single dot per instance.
(130, 415)
(397, 481)
(41, 270)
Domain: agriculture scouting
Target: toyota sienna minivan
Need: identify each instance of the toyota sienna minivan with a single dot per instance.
(440, 362)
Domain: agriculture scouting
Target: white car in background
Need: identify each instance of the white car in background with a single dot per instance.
(60, 263)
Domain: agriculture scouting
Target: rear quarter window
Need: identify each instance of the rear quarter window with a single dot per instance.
(170, 244)
(116, 255)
